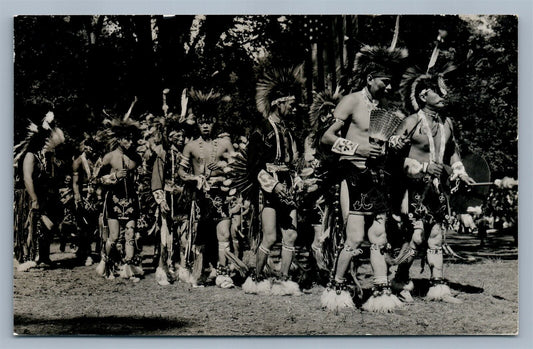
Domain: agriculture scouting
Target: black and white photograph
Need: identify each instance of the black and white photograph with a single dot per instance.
(265, 175)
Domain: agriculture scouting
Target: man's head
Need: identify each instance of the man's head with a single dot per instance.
(425, 92)
(177, 138)
(205, 124)
(125, 141)
(277, 91)
(375, 66)
(204, 108)
(125, 132)
(421, 89)
(431, 99)
(284, 106)
(379, 84)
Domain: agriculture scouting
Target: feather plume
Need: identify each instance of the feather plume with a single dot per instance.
(383, 123)
(277, 83)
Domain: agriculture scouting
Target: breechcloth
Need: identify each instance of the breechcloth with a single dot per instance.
(272, 200)
(122, 202)
(366, 188)
(426, 204)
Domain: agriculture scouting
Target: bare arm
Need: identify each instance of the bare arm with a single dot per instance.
(401, 136)
(75, 178)
(342, 112)
(185, 164)
(27, 169)
(458, 169)
(109, 178)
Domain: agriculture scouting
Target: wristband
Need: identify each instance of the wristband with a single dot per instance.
(344, 147)
(413, 168)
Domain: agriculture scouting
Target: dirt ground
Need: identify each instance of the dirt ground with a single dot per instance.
(69, 300)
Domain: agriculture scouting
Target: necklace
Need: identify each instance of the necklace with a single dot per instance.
(371, 103)
(434, 155)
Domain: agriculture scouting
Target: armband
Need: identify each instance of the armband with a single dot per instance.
(109, 179)
(344, 147)
(414, 168)
(266, 181)
(184, 161)
(159, 196)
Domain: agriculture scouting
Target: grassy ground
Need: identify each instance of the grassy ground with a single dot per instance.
(73, 300)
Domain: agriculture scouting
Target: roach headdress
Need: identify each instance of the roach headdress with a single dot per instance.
(276, 86)
(204, 104)
(377, 61)
(416, 82)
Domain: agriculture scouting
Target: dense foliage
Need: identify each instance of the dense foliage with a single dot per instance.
(83, 65)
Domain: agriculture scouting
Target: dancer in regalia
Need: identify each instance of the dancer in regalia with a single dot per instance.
(33, 223)
(271, 156)
(206, 156)
(363, 196)
(168, 191)
(432, 160)
(121, 207)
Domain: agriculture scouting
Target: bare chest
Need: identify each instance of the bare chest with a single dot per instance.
(121, 161)
(206, 152)
(439, 135)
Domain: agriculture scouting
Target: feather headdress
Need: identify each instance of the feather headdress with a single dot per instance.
(323, 104)
(376, 60)
(204, 104)
(119, 127)
(415, 81)
(43, 137)
(277, 84)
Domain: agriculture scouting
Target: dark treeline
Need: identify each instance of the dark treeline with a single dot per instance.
(85, 65)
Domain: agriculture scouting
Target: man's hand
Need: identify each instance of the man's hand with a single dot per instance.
(34, 205)
(164, 207)
(199, 181)
(467, 179)
(77, 199)
(399, 142)
(435, 169)
(121, 173)
(371, 151)
(280, 190)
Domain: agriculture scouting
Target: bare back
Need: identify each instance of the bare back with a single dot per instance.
(118, 161)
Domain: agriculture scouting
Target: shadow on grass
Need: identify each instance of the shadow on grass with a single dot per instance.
(106, 325)
(422, 287)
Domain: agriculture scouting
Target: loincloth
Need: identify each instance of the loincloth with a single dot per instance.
(426, 204)
(366, 189)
